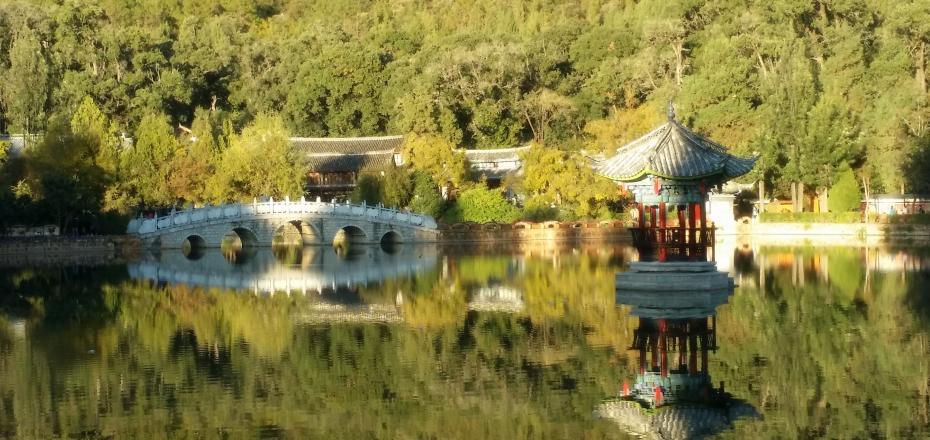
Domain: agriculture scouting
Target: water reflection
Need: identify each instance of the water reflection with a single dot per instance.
(300, 269)
(676, 331)
(463, 343)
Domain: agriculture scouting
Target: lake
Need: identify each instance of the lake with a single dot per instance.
(427, 342)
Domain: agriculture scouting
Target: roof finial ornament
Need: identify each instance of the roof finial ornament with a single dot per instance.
(671, 110)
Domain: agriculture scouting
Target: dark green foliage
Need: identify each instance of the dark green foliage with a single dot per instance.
(538, 210)
(482, 205)
(844, 195)
(426, 198)
(367, 189)
(814, 88)
(397, 187)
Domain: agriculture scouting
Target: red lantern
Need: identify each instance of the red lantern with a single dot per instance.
(657, 185)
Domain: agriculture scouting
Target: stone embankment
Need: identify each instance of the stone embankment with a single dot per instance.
(607, 230)
(44, 251)
(831, 233)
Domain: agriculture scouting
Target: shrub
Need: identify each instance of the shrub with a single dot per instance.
(538, 210)
(482, 205)
(367, 189)
(844, 195)
(397, 188)
(426, 198)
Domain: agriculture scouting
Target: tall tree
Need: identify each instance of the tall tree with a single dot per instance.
(146, 164)
(26, 83)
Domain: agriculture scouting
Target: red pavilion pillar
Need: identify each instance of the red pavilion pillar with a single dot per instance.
(681, 230)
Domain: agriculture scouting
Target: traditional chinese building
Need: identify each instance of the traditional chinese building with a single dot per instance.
(672, 169)
(334, 164)
(495, 165)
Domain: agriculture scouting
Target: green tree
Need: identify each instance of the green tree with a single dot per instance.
(368, 189)
(426, 198)
(564, 179)
(845, 195)
(435, 156)
(483, 205)
(259, 162)
(26, 83)
(397, 187)
(146, 165)
(95, 130)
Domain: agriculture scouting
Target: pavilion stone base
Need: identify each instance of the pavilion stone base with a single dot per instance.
(685, 287)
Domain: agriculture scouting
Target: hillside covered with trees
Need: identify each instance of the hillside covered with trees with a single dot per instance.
(817, 88)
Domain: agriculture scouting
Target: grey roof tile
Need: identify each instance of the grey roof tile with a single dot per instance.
(672, 151)
(333, 155)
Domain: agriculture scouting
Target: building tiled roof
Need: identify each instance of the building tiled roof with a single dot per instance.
(332, 155)
(486, 162)
(673, 152)
(495, 155)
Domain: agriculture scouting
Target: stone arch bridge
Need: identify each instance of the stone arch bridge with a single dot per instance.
(310, 222)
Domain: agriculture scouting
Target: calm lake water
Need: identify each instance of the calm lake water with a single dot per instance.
(431, 343)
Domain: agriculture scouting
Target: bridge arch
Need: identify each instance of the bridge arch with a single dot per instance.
(193, 247)
(296, 233)
(390, 241)
(239, 238)
(349, 235)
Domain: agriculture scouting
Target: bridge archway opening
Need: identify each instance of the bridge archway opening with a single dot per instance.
(193, 247)
(348, 236)
(295, 233)
(391, 241)
(238, 244)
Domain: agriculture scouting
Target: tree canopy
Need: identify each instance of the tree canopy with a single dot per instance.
(815, 88)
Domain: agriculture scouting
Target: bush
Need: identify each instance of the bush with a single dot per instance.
(844, 195)
(810, 217)
(910, 219)
(367, 189)
(538, 210)
(426, 198)
(397, 188)
(482, 205)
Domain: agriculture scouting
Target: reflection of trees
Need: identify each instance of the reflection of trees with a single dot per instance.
(179, 362)
(828, 358)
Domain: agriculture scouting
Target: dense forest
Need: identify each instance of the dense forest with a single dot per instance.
(819, 89)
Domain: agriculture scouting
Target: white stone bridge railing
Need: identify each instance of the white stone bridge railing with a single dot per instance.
(236, 211)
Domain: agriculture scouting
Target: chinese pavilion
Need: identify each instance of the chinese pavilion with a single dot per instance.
(672, 168)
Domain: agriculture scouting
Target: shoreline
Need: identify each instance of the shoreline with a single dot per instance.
(119, 249)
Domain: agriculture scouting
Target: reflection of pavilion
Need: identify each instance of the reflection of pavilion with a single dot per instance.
(673, 396)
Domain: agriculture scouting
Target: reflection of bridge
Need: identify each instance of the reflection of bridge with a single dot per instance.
(258, 223)
(319, 269)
